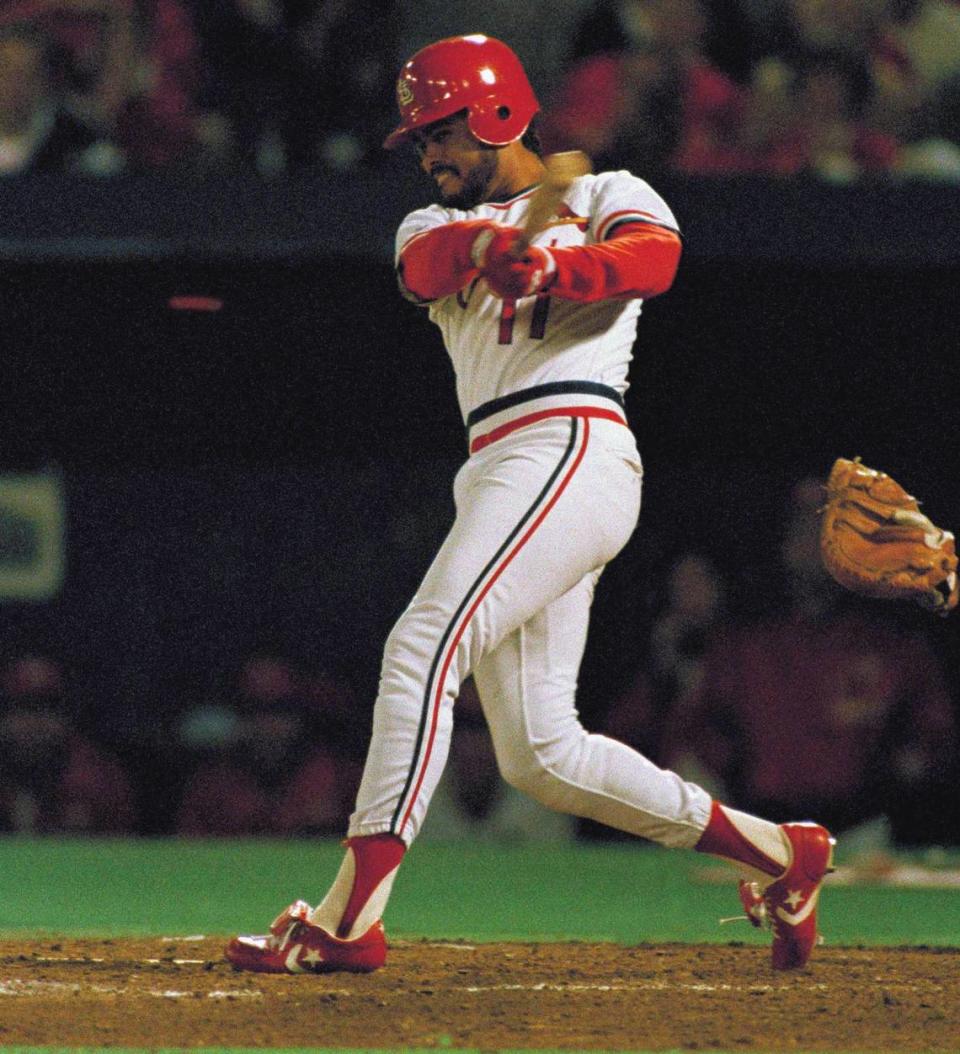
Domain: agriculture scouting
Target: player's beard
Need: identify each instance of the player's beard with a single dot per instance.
(474, 186)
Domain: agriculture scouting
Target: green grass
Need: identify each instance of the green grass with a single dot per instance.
(623, 893)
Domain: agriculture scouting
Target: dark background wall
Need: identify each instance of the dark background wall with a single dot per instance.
(280, 469)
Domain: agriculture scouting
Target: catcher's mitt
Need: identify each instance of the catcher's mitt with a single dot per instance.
(875, 540)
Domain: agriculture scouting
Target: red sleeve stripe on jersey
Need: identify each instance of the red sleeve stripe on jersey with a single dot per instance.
(615, 219)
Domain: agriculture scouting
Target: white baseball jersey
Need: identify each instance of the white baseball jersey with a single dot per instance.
(549, 494)
(502, 346)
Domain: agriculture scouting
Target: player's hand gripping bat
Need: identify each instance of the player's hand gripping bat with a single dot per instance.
(561, 170)
(504, 256)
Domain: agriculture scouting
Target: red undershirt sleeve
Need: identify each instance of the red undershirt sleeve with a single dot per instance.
(640, 260)
(437, 263)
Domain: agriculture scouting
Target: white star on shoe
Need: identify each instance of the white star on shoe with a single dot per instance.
(312, 957)
(794, 898)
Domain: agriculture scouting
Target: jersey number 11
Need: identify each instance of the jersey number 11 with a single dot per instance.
(538, 320)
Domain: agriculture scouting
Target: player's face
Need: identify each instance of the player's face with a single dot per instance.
(464, 169)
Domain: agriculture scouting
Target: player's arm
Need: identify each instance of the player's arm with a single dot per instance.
(637, 259)
(436, 263)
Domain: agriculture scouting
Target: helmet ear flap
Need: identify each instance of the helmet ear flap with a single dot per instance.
(498, 121)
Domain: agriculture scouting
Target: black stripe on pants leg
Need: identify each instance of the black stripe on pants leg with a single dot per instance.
(471, 592)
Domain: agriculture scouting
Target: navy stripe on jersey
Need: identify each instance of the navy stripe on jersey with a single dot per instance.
(606, 225)
(396, 824)
(538, 391)
(639, 219)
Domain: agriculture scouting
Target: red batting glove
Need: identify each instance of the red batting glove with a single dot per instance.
(508, 275)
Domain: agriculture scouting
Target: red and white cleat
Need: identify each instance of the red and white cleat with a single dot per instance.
(296, 945)
(789, 905)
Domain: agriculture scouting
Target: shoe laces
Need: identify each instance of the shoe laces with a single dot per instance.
(763, 919)
(287, 923)
(757, 914)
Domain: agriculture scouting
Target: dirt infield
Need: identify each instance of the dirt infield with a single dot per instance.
(178, 992)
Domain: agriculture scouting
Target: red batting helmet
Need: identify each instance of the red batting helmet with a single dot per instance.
(475, 73)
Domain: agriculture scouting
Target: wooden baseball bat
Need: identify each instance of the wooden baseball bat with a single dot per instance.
(561, 170)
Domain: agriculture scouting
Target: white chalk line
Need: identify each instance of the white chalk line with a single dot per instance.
(638, 986)
(85, 959)
(41, 988)
(685, 986)
(26, 988)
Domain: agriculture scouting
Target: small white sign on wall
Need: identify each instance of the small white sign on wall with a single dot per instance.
(32, 534)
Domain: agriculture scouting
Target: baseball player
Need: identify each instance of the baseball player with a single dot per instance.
(541, 341)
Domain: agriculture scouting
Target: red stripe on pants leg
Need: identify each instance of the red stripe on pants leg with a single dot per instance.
(452, 647)
(423, 731)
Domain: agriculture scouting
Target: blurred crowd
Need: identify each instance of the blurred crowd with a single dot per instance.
(815, 704)
(104, 86)
(837, 89)
(804, 703)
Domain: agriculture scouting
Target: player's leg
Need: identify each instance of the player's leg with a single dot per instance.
(527, 686)
(534, 515)
(531, 523)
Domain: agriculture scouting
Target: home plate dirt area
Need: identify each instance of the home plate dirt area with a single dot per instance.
(179, 992)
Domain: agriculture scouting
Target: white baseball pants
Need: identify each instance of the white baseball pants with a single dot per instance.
(507, 598)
